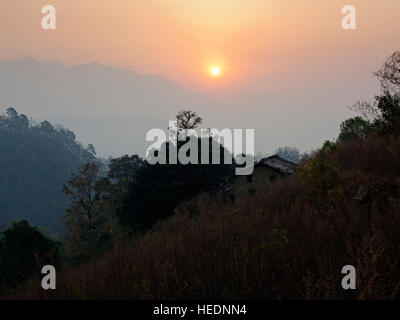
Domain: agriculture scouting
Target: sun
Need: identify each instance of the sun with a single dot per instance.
(215, 71)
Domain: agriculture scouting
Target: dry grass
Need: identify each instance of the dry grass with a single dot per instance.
(285, 243)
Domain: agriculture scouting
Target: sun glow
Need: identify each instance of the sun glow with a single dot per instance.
(215, 71)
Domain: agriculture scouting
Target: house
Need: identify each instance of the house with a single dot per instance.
(266, 171)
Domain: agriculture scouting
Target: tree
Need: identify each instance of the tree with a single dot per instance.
(90, 148)
(121, 170)
(367, 109)
(156, 190)
(23, 252)
(383, 111)
(319, 176)
(382, 114)
(354, 128)
(389, 73)
(187, 119)
(88, 215)
(12, 114)
(388, 123)
(389, 78)
(121, 174)
(289, 153)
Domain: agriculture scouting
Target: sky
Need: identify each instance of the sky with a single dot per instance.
(278, 59)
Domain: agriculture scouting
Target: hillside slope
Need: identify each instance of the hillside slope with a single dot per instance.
(290, 241)
(36, 160)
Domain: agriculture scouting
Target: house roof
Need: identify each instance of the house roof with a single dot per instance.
(274, 162)
(277, 163)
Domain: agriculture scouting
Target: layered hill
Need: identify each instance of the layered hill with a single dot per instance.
(36, 159)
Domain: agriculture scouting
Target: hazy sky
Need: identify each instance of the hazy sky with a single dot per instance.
(253, 40)
(281, 59)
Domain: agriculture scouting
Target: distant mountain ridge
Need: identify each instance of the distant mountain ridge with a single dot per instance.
(51, 88)
(112, 108)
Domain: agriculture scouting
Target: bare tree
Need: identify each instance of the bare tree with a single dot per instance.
(187, 119)
(389, 77)
(389, 74)
(367, 109)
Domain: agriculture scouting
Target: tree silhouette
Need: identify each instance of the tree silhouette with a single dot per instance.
(23, 251)
(389, 73)
(354, 128)
(88, 213)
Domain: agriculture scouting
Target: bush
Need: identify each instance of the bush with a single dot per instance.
(23, 252)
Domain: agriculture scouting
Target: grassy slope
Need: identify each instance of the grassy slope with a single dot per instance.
(288, 242)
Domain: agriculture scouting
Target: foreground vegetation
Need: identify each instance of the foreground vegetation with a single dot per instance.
(288, 242)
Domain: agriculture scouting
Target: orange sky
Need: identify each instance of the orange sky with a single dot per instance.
(253, 41)
(286, 64)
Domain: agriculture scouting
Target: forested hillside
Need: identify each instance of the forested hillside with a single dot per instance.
(35, 161)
